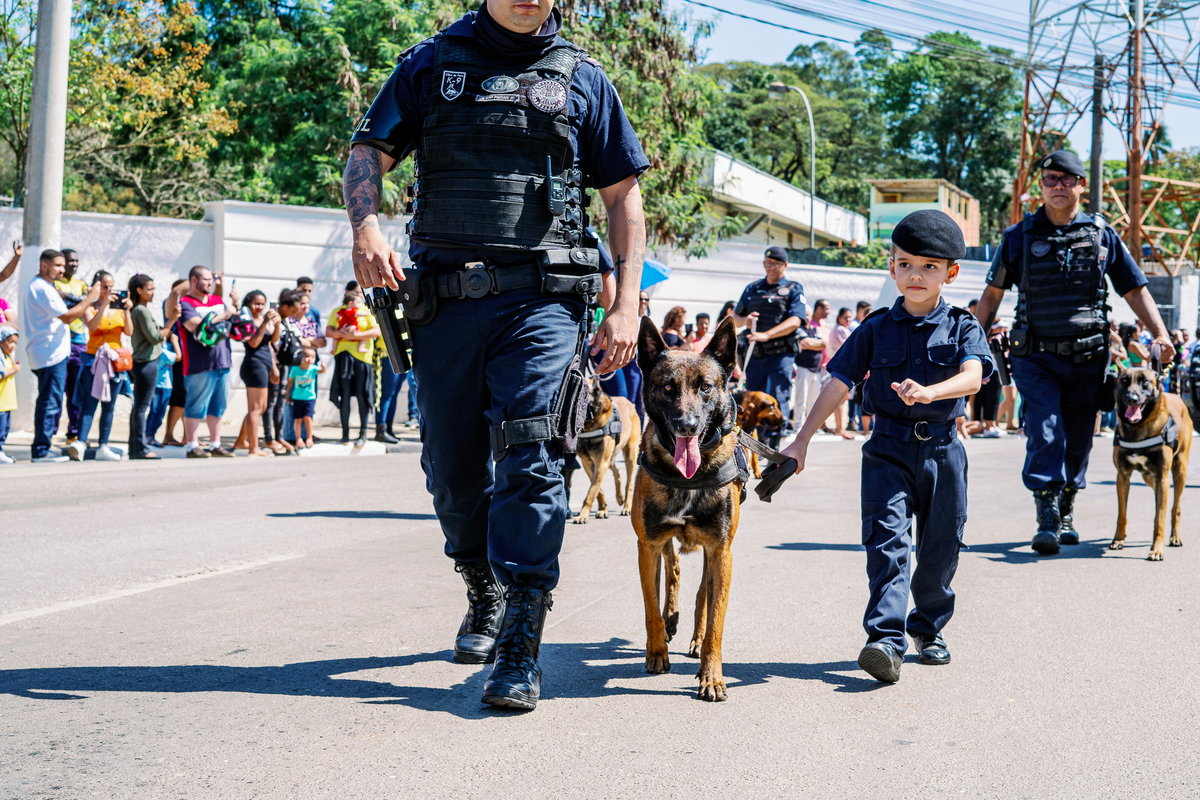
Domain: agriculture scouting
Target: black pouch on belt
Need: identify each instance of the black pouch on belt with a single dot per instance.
(575, 271)
(418, 294)
(1020, 342)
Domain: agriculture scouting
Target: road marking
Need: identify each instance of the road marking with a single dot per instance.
(18, 616)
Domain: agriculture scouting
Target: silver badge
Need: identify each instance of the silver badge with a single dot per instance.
(1040, 249)
(784, 290)
(453, 84)
(500, 84)
(548, 96)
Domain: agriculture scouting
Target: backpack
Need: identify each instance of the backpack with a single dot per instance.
(289, 352)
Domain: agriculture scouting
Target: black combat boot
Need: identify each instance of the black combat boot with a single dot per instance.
(516, 680)
(1046, 540)
(382, 434)
(1066, 515)
(476, 642)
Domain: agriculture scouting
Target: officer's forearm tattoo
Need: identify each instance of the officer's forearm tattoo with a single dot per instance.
(362, 187)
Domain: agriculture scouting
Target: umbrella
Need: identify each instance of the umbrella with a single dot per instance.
(654, 272)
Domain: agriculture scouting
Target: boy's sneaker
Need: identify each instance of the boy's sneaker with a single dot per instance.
(932, 649)
(76, 449)
(5, 458)
(50, 458)
(882, 661)
(103, 453)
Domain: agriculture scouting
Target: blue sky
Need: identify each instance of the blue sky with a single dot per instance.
(999, 22)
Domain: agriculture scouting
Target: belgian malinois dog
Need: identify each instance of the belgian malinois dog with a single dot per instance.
(1154, 437)
(682, 492)
(596, 452)
(758, 409)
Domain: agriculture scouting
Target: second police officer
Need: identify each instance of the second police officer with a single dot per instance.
(509, 125)
(776, 306)
(1058, 258)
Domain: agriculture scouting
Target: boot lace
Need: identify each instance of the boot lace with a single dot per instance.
(483, 596)
(517, 647)
(1047, 510)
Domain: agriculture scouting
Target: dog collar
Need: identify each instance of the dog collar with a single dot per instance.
(736, 468)
(1168, 436)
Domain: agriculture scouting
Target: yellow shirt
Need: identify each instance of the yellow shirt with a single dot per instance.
(78, 288)
(109, 332)
(8, 386)
(365, 323)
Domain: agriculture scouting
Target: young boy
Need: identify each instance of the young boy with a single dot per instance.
(302, 389)
(923, 358)
(9, 367)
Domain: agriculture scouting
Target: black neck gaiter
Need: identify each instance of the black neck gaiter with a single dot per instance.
(509, 44)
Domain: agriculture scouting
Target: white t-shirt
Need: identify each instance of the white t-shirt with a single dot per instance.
(47, 338)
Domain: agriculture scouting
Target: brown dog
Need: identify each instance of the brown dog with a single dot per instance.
(598, 444)
(684, 491)
(758, 409)
(1154, 437)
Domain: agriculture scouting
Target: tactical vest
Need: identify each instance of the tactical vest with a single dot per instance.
(1063, 293)
(772, 307)
(495, 166)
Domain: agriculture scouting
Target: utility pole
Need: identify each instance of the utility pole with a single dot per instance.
(44, 164)
(1096, 196)
(775, 91)
(1135, 134)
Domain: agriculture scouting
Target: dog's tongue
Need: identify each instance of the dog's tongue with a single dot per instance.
(1132, 413)
(687, 455)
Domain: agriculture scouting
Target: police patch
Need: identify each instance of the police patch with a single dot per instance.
(453, 84)
(500, 84)
(784, 291)
(548, 96)
(1040, 249)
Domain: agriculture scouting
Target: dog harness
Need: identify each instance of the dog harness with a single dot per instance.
(1169, 436)
(611, 428)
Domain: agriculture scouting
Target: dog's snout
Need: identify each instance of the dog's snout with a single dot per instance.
(688, 425)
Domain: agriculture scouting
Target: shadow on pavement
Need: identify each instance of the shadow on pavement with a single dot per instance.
(808, 546)
(1020, 552)
(353, 514)
(1140, 484)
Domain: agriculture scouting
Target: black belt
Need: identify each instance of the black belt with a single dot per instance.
(480, 280)
(1068, 347)
(922, 430)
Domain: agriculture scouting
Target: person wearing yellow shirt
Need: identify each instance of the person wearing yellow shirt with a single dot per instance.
(73, 291)
(9, 367)
(351, 326)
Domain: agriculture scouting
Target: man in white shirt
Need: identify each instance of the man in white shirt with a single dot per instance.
(47, 323)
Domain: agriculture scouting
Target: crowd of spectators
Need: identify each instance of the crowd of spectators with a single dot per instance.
(176, 366)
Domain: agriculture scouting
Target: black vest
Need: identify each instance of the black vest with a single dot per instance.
(772, 302)
(1063, 293)
(495, 166)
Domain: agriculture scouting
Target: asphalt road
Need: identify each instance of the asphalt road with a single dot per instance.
(282, 629)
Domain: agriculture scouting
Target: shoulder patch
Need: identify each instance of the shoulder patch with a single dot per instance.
(593, 62)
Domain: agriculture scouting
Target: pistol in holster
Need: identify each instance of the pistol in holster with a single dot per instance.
(394, 327)
(1000, 356)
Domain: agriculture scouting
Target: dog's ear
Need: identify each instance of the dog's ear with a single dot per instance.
(723, 345)
(650, 346)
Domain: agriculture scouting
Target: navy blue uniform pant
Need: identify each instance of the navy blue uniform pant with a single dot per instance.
(1060, 401)
(773, 375)
(900, 479)
(479, 363)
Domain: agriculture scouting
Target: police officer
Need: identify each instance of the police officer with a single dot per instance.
(510, 125)
(1058, 258)
(776, 304)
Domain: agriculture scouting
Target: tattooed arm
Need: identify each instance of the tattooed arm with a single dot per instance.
(617, 334)
(375, 262)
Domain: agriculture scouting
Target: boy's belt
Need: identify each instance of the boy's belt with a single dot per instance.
(922, 430)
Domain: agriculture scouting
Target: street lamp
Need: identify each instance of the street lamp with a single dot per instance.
(776, 91)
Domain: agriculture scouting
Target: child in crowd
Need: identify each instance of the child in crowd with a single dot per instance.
(162, 388)
(9, 367)
(302, 389)
(352, 319)
(923, 357)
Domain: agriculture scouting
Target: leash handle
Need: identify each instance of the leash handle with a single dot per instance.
(1156, 357)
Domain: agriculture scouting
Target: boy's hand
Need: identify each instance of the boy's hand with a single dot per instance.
(912, 392)
(797, 450)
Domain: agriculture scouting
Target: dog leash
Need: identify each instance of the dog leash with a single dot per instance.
(781, 468)
(749, 353)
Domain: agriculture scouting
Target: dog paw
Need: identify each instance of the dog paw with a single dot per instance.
(658, 663)
(758, 476)
(712, 689)
(1175, 542)
(580, 519)
(672, 623)
(1155, 555)
(602, 514)
(694, 650)
(1117, 544)
(624, 512)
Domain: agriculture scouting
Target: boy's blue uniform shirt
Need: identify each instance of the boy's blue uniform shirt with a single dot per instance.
(1120, 266)
(606, 148)
(893, 345)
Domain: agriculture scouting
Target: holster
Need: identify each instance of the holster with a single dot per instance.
(393, 322)
(418, 294)
(1000, 358)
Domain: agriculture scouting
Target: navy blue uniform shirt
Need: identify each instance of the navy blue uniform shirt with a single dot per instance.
(893, 346)
(784, 299)
(1119, 264)
(606, 148)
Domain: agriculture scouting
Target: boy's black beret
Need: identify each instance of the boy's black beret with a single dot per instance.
(930, 233)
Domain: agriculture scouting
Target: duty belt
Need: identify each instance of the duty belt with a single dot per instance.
(1069, 347)
(922, 430)
(479, 280)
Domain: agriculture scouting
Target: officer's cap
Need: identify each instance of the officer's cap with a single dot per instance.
(930, 233)
(776, 252)
(1064, 161)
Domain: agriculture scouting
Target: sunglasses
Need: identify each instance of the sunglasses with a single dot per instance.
(1065, 181)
